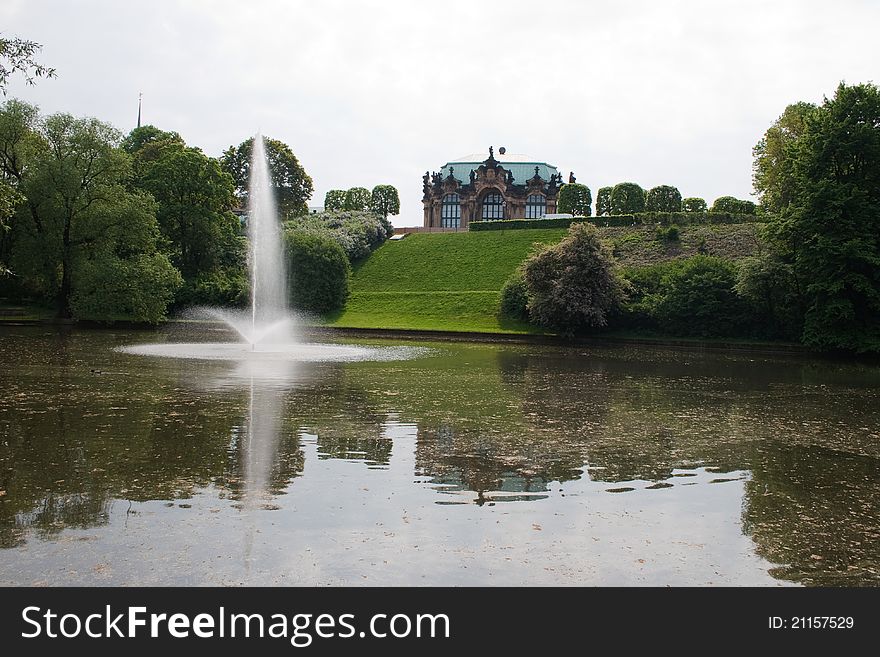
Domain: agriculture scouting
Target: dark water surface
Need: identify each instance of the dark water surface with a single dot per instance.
(472, 464)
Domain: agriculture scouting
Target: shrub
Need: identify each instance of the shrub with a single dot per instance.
(627, 198)
(318, 271)
(575, 199)
(664, 198)
(357, 232)
(694, 204)
(515, 297)
(574, 284)
(667, 233)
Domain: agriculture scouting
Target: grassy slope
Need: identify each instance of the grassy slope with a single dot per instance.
(452, 281)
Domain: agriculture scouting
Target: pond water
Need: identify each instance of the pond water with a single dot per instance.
(467, 464)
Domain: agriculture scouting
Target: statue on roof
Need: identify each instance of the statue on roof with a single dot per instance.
(509, 177)
(491, 153)
(472, 176)
(425, 182)
(571, 178)
(536, 172)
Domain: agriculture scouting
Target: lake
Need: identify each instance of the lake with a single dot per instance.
(465, 464)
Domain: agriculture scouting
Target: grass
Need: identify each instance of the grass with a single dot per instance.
(453, 281)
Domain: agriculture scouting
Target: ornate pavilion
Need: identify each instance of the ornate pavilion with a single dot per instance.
(475, 189)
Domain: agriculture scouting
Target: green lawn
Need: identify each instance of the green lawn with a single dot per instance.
(441, 281)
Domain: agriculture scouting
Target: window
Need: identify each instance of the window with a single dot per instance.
(450, 212)
(536, 206)
(493, 207)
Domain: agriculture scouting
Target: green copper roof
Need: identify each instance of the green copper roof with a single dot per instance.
(520, 166)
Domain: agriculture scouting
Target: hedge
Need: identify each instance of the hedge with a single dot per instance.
(640, 219)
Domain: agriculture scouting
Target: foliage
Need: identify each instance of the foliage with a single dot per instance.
(829, 228)
(318, 271)
(334, 200)
(626, 220)
(575, 199)
(603, 201)
(627, 198)
(384, 200)
(358, 232)
(694, 204)
(663, 198)
(17, 56)
(573, 285)
(697, 297)
(732, 205)
(515, 297)
(768, 284)
(144, 141)
(357, 198)
(292, 185)
(667, 233)
(772, 172)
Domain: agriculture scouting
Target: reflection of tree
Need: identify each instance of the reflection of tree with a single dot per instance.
(814, 511)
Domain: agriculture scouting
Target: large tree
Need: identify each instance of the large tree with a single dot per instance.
(829, 221)
(293, 186)
(80, 228)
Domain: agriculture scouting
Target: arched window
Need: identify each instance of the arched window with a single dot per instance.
(493, 207)
(450, 212)
(536, 206)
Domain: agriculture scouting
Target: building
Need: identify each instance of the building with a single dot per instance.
(475, 189)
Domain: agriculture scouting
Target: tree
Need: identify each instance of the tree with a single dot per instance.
(829, 225)
(293, 186)
(694, 204)
(79, 223)
(318, 271)
(18, 139)
(385, 200)
(627, 198)
(603, 201)
(574, 284)
(357, 198)
(146, 141)
(732, 205)
(769, 285)
(17, 56)
(334, 200)
(575, 199)
(664, 198)
(772, 172)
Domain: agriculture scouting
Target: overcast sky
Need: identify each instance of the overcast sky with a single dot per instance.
(378, 92)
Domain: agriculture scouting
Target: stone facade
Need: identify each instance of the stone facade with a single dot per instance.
(494, 190)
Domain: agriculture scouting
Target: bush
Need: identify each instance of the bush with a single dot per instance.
(664, 198)
(223, 287)
(640, 219)
(667, 233)
(694, 204)
(357, 232)
(574, 284)
(733, 205)
(318, 271)
(575, 199)
(627, 198)
(697, 297)
(515, 297)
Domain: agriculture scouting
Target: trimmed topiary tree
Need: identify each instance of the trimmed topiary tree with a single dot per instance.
(318, 271)
(694, 204)
(334, 200)
(733, 205)
(603, 201)
(573, 285)
(575, 199)
(663, 198)
(627, 198)
(357, 198)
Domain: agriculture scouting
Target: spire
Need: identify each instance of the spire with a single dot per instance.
(140, 96)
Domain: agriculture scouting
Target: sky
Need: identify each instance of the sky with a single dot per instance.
(368, 93)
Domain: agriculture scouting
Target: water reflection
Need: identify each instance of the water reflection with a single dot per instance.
(701, 463)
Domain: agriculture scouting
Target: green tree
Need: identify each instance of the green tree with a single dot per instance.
(769, 285)
(334, 200)
(694, 204)
(575, 199)
(627, 198)
(772, 172)
(664, 198)
(574, 284)
(147, 142)
(17, 56)
(733, 205)
(357, 198)
(18, 141)
(81, 224)
(384, 200)
(603, 201)
(318, 271)
(293, 186)
(829, 230)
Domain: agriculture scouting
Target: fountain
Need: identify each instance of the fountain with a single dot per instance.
(268, 329)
